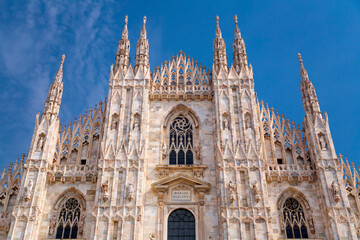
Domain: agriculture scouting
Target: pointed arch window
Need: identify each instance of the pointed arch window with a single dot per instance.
(294, 219)
(181, 141)
(68, 221)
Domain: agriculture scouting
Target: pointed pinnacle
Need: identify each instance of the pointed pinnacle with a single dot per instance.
(217, 31)
(299, 56)
(59, 73)
(125, 32)
(143, 30)
(303, 72)
(237, 30)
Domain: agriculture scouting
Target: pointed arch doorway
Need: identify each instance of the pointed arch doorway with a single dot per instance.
(181, 225)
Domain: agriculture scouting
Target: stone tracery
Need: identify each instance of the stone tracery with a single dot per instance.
(181, 150)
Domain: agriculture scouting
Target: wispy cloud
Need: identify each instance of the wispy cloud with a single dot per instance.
(37, 33)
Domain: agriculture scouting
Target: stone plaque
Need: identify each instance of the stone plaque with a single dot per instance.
(181, 195)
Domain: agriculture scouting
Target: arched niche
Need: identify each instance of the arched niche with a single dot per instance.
(293, 193)
(184, 110)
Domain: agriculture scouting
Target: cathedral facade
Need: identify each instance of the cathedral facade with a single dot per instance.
(180, 153)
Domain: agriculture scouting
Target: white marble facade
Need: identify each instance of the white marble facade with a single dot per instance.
(180, 137)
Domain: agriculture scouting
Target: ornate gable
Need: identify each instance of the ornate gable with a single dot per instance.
(181, 78)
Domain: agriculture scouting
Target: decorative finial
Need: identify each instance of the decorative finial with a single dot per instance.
(143, 30)
(303, 72)
(217, 31)
(125, 33)
(237, 30)
(59, 73)
(300, 59)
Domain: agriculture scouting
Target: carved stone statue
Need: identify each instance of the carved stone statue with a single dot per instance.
(52, 226)
(40, 143)
(197, 150)
(27, 190)
(136, 126)
(130, 192)
(114, 123)
(256, 190)
(138, 218)
(232, 190)
(335, 191)
(311, 225)
(164, 150)
(226, 124)
(247, 122)
(81, 224)
(105, 190)
(322, 141)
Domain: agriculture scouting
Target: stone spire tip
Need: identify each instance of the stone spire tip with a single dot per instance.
(62, 59)
(300, 59)
(143, 30)
(59, 73)
(237, 30)
(125, 33)
(217, 31)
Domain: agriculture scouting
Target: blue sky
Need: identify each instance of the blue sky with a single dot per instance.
(34, 34)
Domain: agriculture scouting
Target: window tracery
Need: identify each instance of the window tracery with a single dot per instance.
(294, 219)
(181, 225)
(181, 141)
(67, 226)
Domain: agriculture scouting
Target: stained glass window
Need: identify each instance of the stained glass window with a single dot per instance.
(68, 222)
(181, 141)
(294, 219)
(181, 225)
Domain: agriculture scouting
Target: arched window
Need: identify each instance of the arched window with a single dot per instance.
(294, 219)
(181, 225)
(68, 221)
(181, 141)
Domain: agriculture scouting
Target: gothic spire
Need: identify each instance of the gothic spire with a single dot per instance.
(143, 30)
(303, 72)
(218, 34)
(123, 50)
(53, 100)
(59, 74)
(125, 33)
(310, 100)
(219, 57)
(237, 29)
(142, 50)
(239, 51)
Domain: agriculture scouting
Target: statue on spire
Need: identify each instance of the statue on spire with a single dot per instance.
(237, 29)
(59, 74)
(142, 50)
(123, 50)
(219, 57)
(310, 100)
(303, 72)
(143, 30)
(125, 33)
(239, 51)
(218, 34)
(53, 100)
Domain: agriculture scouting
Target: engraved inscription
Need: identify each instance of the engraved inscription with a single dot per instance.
(181, 195)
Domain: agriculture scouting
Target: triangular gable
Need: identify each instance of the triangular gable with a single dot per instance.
(192, 181)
